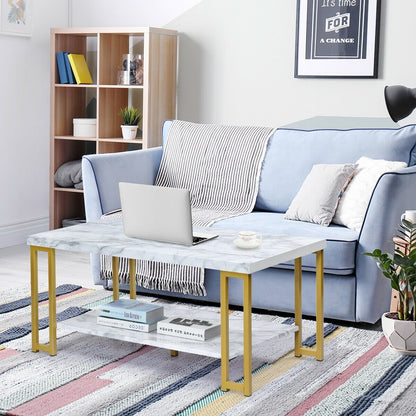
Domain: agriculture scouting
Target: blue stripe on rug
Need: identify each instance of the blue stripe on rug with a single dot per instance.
(328, 329)
(169, 389)
(310, 341)
(20, 331)
(22, 303)
(362, 403)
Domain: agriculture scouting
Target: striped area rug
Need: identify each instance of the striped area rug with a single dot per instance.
(91, 375)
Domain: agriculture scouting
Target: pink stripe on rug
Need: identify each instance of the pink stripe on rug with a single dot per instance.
(72, 391)
(8, 352)
(67, 295)
(333, 384)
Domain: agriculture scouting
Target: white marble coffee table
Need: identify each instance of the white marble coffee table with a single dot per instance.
(218, 254)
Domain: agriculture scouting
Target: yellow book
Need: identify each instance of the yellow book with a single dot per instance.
(80, 68)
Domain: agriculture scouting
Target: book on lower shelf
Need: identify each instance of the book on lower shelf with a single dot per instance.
(196, 329)
(132, 310)
(121, 323)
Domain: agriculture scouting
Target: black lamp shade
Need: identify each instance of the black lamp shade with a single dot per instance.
(400, 101)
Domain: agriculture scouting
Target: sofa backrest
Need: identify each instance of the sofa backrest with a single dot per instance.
(291, 153)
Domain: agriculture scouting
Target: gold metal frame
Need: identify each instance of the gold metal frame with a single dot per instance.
(318, 351)
(116, 290)
(36, 345)
(226, 383)
(132, 278)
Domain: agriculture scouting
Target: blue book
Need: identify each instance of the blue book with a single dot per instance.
(60, 59)
(132, 310)
(71, 79)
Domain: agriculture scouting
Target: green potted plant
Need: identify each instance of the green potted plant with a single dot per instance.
(131, 118)
(400, 327)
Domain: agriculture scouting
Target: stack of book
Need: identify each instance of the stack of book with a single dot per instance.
(130, 314)
(196, 329)
(72, 68)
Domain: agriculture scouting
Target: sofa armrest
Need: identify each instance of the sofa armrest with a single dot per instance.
(101, 174)
(393, 194)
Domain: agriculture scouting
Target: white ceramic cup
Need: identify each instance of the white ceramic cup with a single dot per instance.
(409, 215)
(247, 235)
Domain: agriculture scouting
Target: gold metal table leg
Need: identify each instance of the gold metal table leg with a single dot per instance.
(132, 275)
(132, 278)
(225, 342)
(115, 278)
(320, 305)
(298, 306)
(318, 351)
(226, 384)
(247, 336)
(36, 345)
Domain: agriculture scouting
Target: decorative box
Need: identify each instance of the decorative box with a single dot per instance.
(85, 127)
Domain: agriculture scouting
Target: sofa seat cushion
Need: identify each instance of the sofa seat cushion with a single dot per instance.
(339, 255)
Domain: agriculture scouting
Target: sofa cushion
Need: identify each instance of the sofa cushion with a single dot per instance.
(292, 153)
(339, 255)
(318, 196)
(354, 201)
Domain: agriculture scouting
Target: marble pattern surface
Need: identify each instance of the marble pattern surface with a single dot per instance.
(262, 331)
(219, 253)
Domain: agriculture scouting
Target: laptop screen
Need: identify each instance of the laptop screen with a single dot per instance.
(156, 213)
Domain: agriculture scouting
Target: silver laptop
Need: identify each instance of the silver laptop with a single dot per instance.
(158, 213)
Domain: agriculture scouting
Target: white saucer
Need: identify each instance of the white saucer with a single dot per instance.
(240, 243)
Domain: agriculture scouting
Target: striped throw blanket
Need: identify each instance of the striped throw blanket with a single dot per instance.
(220, 165)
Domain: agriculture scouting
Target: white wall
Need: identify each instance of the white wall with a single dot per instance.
(24, 125)
(237, 61)
(155, 13)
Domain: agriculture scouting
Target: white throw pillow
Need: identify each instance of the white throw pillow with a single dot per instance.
(318, 196)
(354, 201)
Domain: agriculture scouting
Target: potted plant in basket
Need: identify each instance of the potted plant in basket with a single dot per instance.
(400, 327)
(131, 118)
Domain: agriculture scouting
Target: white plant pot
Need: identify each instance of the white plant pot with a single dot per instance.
(401, 335)
(129, 132)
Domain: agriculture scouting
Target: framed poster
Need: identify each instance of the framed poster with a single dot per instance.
(337, 38)
(16, 17)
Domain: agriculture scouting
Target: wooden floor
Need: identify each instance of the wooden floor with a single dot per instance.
(71, 268)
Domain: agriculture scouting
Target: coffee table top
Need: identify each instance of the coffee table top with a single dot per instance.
(219, 253)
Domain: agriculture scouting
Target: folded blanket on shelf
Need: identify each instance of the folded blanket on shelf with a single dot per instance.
(69, 175)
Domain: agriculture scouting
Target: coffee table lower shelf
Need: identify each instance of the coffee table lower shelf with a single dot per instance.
(262, 331)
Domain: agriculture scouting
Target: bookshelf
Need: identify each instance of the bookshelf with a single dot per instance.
(103, 49)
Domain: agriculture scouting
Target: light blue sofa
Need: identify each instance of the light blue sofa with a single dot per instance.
(354, 288)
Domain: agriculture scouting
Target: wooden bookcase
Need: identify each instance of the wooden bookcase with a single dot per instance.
(103, 49)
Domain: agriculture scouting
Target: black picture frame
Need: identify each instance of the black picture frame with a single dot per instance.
(337, 38)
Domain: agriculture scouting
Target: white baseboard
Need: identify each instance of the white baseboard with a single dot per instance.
(14, 234)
